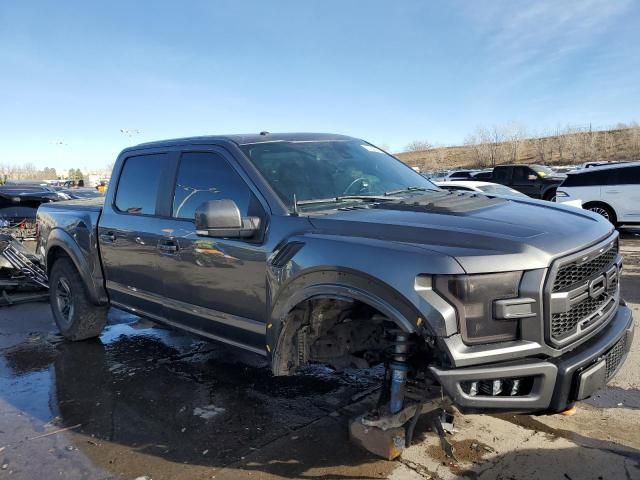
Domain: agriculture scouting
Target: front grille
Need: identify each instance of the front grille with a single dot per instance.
(614, 356)
(572, 274)
(578, 280)
(565, 323)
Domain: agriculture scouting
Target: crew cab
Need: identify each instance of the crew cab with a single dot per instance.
(611, 190)
(536, 181)
(319, 248)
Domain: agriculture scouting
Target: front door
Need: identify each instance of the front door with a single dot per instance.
(129, 231)
(214, 285)
(521, 181)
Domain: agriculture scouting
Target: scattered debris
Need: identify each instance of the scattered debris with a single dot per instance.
(446, 420)
(56, 431)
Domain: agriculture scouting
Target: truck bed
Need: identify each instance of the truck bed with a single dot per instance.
(74, 225)
(81, 204)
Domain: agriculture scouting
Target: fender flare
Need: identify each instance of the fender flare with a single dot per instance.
(58, 238)
(340, 284)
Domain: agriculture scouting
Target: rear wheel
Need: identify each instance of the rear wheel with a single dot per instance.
(76, 317)
(602, 209)
(550, 195)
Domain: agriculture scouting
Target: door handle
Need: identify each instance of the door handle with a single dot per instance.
(167, 248)
(612, 191)
(108, 237)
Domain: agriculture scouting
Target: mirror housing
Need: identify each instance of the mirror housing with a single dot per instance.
(532, 177)
(221, 218)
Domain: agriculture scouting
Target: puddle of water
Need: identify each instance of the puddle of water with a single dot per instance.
(30, 392)
(140, 386)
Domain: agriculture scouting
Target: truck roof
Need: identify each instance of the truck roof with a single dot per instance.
(247, 138)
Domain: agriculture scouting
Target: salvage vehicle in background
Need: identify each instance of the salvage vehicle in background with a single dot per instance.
(611, 190)
(536, 181)
(459, 175)
(18, 208)
(317, 248)
(482, 187)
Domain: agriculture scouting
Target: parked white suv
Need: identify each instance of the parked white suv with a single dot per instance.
(613, 191)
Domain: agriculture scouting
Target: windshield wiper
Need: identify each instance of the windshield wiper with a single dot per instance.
(408, 189)
(339, 198)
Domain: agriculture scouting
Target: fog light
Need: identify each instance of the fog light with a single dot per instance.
(496, 389)
(473, 389)
(515, 386)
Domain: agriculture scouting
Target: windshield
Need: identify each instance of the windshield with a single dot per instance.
(543, 171)
(500, 190)
(315, 170)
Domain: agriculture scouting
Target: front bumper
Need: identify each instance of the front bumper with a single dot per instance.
(554, 384)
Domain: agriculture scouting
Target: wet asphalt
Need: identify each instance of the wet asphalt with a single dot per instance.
(145, 401)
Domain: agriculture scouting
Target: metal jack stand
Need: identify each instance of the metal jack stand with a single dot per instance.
(388, 430)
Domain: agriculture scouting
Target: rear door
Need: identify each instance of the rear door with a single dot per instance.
(623, 192)
(214, 285)
(130, 228)
(521, 182)
(502, 175)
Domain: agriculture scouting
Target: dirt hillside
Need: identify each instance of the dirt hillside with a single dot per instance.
(565, 149)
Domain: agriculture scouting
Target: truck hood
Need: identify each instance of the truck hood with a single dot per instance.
(483, 233)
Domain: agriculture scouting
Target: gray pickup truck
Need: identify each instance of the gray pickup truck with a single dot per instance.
(317, 248)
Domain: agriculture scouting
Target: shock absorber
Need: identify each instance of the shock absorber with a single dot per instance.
(399, 371)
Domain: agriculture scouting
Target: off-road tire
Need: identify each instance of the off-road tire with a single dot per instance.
(82, 319)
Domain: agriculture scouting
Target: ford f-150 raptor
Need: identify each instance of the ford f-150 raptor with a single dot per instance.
(318, 248)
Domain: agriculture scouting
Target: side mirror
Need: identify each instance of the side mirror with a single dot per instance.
(532, 177)
(221, 218)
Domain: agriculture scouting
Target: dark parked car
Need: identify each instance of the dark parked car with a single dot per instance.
(536, 181)
(315, 248)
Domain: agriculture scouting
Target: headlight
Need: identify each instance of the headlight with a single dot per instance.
(561, 193)
(473, 297)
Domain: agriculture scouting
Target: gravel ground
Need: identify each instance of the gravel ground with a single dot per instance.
(148, 402)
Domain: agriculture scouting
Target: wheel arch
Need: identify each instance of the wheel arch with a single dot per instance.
(549, 192)
(62, 244)
(338, 284)
(588, 205)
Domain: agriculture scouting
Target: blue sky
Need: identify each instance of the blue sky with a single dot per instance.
(74, 73)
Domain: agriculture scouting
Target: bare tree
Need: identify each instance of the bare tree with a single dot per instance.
(633, 140)
(513, 136)
(539, 146)
(418, 146)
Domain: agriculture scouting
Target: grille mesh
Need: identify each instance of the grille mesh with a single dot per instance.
(563, 323)
(614, 356)
(572, 274)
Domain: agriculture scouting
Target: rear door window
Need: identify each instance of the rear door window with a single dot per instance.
(627, 175)
(139, 182)
(593, 178)
(501, 174)
(521, 174)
